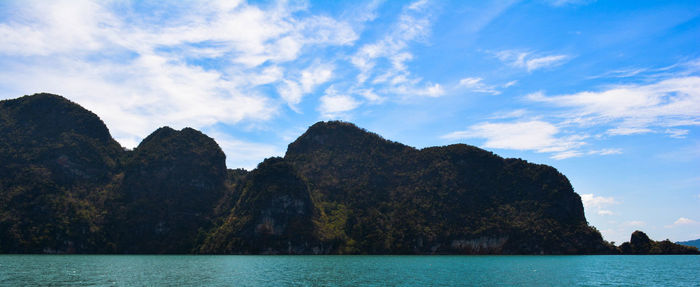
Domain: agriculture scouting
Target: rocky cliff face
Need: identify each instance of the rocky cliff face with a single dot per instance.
(55, 157)
(453, 199)
(274, 215)
(171, 183)
(67, 186)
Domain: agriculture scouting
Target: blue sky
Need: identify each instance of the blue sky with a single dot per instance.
(608, 92)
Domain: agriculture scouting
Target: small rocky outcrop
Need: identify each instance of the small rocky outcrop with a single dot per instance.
(640, 244)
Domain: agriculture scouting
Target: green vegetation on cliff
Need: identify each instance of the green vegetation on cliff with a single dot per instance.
(67, 186)
(56, 159)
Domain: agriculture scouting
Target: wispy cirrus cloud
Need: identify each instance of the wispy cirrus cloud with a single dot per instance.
(635, 108)
(559, 3)
(534, 135)
(664, 106)
(203, 63)
(683, 221)
(531, 61)
(477, 85)
(141, 69)
(384, 64)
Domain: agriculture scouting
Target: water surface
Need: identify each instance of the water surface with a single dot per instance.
(169, 270)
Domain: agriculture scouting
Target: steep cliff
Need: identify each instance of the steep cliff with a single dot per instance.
(55, 160)
(67, 186)
(453, 199)
(170, 186)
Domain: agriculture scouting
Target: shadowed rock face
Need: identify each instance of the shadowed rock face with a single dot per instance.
(67, 186)
(275, 215)
(440, 199)
(171, 183)
(55, 157)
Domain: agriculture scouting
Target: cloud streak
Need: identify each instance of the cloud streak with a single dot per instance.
(531, 61)
(476, 85)
(683, 221)
(535, 135)
(635, 109)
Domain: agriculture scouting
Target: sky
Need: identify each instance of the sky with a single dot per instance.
(607, 92)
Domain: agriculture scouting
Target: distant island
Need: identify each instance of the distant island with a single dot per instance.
(66, 186)
(694, 243)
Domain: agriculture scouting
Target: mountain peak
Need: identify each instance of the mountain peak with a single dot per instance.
(186, 137)
(49, 115)
(338, 135)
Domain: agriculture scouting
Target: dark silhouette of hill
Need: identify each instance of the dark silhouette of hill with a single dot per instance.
(171, 183)
(55, 157)
(67, 187)
(641, 244)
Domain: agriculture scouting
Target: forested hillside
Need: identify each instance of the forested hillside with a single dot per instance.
(67, 187)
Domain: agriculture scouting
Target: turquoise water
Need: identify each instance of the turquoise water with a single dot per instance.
(167, 270)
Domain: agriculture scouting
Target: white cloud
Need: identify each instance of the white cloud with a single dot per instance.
(430, 90)
(682, 221)
(567, 154)
(624, 131)
(315, 75)
(533, 135)
(677, 133)
(623, 73)
(605, 212)
(45, 28)
(543, 62)
(569, 2)
(383, 63)
(470, 82)
(139, 72)
(530, 61)
(508, 115)
(593, 201)
(606, 151)
(291, 93)
(635, 109)
(203, 63)
(371, 96)
(476, 85)
(334, 105)
(510, 84)
(599, 204)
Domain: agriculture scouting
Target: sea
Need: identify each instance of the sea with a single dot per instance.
(225, 270)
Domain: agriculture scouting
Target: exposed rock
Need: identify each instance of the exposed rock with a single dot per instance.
(67, 187)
